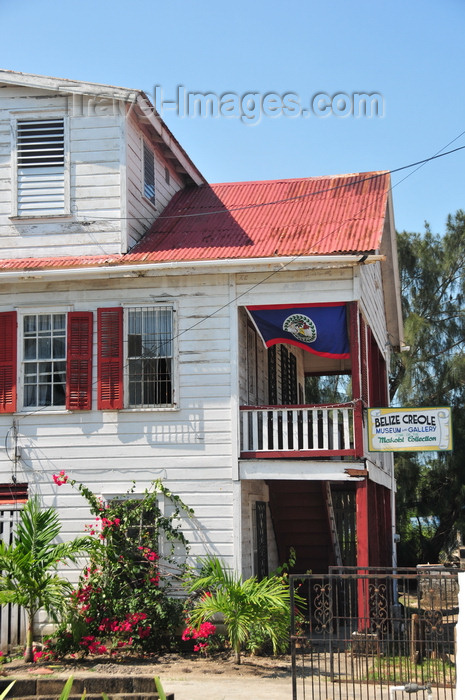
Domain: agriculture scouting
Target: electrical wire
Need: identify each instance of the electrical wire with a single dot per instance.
(418, 164)
(283, 266)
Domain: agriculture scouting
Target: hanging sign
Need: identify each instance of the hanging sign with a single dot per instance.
(409, 429)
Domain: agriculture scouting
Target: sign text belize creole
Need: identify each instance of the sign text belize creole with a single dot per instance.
(409, 429)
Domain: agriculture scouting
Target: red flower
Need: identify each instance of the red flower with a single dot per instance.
(144, 632)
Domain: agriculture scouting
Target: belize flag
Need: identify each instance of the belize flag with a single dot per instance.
(318, 328)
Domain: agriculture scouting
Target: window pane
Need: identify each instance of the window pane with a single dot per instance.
(59, 395)
(29, 324)
(45, 395)
(45, 371)
(30, 372)
(30, 395)
(134, 345)
(135, 321)
(59, 321)
(59, 348)
(45, 323)
(44, 348)
(30, 349)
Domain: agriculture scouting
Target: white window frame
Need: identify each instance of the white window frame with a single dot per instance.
(147, 145)
(174, 356)
(37, 310)
(39, 116)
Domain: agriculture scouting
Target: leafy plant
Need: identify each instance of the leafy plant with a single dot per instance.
(5, 692)
(244, 605)
(159, 687)
(29, 564)
(124, 600)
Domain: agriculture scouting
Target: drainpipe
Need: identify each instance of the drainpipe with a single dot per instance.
(410, 688)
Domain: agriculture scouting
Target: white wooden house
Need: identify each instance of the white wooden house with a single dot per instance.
(129, 348)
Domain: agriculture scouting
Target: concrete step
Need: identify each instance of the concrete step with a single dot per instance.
(95, 696)
(117, 687)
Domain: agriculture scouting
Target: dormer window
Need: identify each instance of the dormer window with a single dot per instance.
(40, 161)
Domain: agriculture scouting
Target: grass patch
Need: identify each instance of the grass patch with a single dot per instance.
(395, 669)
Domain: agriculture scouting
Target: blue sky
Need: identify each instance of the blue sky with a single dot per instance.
(411, 53)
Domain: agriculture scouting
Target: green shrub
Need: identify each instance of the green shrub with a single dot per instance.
(124, 600)
(249, 609)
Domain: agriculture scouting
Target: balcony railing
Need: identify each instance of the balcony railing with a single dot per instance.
(297, 431)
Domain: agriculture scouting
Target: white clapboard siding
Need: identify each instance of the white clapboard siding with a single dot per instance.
(372, 301)
(190, 448)
(142, 212)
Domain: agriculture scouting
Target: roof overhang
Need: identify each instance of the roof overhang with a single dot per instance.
(391, 280)
(145, 269)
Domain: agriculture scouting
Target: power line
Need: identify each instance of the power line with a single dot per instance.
(294, 258)
(417, 165)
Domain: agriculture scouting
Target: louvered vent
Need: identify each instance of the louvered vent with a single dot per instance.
(149, 174)
(41, 171)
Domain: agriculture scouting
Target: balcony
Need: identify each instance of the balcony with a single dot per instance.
(321, 431)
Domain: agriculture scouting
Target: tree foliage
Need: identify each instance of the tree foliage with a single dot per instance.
(431, 489)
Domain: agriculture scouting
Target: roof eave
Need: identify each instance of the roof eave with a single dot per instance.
(144, 268)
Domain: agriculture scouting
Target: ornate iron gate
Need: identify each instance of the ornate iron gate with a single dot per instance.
(375, 634)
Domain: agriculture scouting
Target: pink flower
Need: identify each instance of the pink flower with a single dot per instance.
(60, 478)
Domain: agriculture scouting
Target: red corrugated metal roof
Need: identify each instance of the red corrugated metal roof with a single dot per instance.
(310, 216)
(59, 262)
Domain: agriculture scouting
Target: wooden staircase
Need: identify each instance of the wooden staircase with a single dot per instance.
(300, 518)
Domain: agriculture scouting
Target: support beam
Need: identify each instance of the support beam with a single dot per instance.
(356, 377)
(363, 553)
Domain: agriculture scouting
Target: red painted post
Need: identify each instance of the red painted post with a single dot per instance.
(363, 552)
(376, 524)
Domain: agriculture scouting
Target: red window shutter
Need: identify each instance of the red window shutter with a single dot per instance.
(79, 361)
(110, 358)
(8, 344)
(13, 493)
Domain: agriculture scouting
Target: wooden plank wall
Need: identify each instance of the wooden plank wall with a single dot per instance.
(190, 447)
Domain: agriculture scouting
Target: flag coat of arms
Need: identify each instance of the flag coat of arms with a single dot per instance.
(317, 328)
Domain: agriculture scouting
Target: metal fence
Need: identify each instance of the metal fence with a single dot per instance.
(374, 634)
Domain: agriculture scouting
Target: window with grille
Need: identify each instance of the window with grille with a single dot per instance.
(149, 174)
(40, 157)
(44, 359)
(150, 356)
